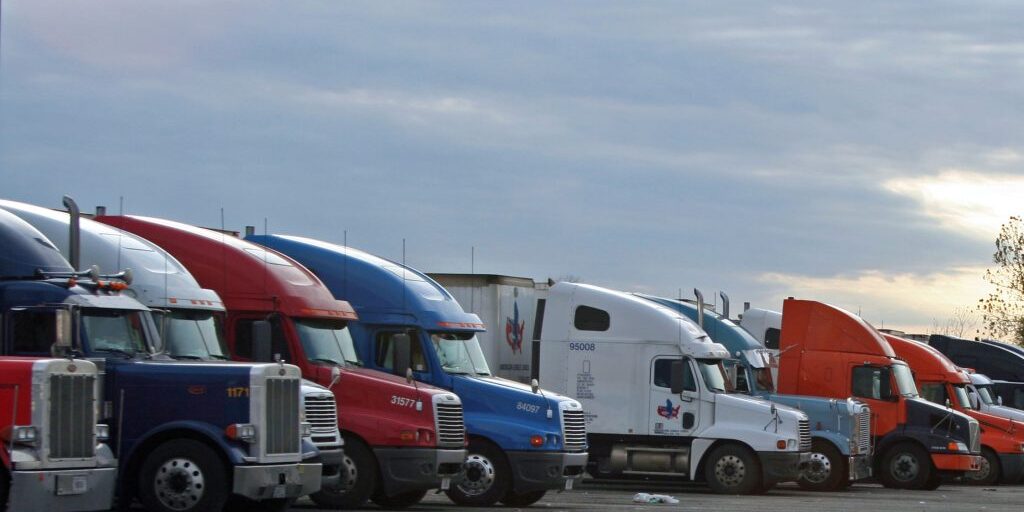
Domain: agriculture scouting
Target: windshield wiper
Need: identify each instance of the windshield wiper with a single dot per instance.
(128, 354)
(354, 362)
(324, 360)
(455, 371)
(187, 356)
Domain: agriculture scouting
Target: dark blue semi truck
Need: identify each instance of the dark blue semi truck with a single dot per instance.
(188, 436)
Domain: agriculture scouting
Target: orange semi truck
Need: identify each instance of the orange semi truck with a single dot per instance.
(942, 382)
(829, 352)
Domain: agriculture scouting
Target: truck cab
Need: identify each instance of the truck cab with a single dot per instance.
(826, 351)
(840, 429)
(523, 441)
(942, 382)
(983, 397)
(401, 439)
(1002, 362)
(656, 396)
(190, 319)
(162, 414)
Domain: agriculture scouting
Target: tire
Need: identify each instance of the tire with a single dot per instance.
(733, 469)
(358, 479)
(905, 466)
(828, 468)
(990, 471)
(5, 487)
(400, 500)
(522, 500)
(183, 475)
(934, 481)
(487, 477)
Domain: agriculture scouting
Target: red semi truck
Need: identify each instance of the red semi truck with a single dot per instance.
(401, 438)
(826, 351)
(942, 382)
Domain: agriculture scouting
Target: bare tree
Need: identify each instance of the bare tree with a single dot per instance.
(962, 323)
(1003, 309)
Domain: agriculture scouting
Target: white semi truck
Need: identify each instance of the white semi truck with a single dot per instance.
(657, 397)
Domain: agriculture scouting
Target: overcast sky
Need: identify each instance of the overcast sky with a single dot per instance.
(861, 153)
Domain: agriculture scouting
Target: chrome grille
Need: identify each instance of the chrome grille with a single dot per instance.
(322, 414)
(451, 428)
(975, 438)
(805, 436)
(72, 417)
(864, 429)
(574, 431)
(282, 416)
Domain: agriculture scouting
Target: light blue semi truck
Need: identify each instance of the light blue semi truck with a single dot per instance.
(523, 441)
(840, 429)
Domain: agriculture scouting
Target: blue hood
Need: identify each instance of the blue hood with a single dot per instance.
(380, 290)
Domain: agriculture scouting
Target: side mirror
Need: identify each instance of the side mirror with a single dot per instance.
(402, 354)
(999, 400)
(973, 398)
(335, 376)
(947, 404)
(534, 385)
(261, 342)
(676, 378)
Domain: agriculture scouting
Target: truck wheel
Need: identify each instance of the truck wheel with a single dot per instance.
(5, 487)
(400, 500)
(487, 477)
(827, 470)
(523, 500)
(905, 466)
(989, 471)
(183, 475)
(732, 469)
(934, 482)
(358, 479)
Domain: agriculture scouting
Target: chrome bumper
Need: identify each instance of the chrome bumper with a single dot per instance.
(860, 467)
(64, 490)
(277, 480)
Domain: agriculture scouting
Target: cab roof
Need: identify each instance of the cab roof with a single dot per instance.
(812, 325)
(26, 250)
(926, 361)
(721, 330)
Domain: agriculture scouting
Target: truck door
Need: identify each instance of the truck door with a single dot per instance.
(670, 414)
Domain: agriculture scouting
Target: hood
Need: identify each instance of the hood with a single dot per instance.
(495, 392)
(1010, 413)
(740, 408)
(991, 421)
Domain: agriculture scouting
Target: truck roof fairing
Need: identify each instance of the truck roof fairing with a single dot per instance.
(631, 319)
(248, 277)
(927, 362)
(380, 290)
(158, 279)
(24, 248)
(833, 329)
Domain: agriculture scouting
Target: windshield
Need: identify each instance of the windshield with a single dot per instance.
(460, 353)
(327, 341)
(192, 334)
(985, 392)
(960, 390)
(714, 375)
(111, 330)
(904, 380)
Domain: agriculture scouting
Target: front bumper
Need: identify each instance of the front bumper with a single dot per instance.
(69, 490)
(535, 471)
(1012, 466)
(783, 466)
(860, 467)
(418, 469)
(331, 459)
(269, 481)
(956, 462)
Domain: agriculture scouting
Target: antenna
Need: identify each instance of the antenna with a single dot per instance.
(472, 270)
(344, 264)
(265, 249)
(403, 275)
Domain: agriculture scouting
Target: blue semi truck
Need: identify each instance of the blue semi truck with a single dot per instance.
(523, 441)
(840, 429)
(188, 436)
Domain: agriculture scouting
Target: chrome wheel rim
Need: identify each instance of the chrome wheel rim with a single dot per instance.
(905, 467)
(348, 475)
(819, 469)
(179, 484)
(984, 468)
(479, 475)
(730, 470)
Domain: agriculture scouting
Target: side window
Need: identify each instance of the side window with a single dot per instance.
(384, 351)
(591, 319)
(871, 382)
(771, 338)
(663, 375)
(243, 339)
(32, 332)
(935, 393)
(741, 379)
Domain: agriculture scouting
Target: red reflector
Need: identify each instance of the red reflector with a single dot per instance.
(537, 441)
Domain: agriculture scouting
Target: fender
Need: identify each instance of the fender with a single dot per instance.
(698, 449)
(234, 454)
(841, 442)
(511, 432)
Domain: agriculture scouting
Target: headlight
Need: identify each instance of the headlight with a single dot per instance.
(102, 432)
(241, 432)
(21, 434)
(957, 446)
(306, 428)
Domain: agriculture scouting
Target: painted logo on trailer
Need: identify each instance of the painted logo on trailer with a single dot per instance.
(514, 330)
(667, 411)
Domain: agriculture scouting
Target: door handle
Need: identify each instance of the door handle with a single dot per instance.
(685, 398)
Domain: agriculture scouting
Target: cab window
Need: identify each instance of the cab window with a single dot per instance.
(933, 392)
(871, 382)
(243, 339)
(663, 375)
(385, 347)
